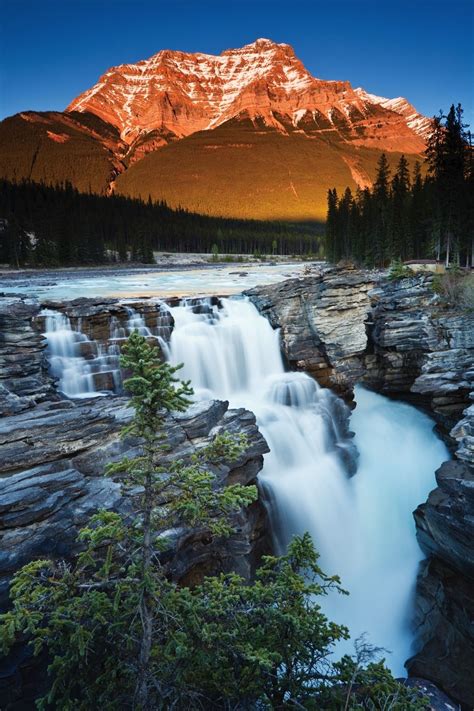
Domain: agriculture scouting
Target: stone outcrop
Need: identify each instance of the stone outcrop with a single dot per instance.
(52, 464)
(444, 614)
(52, 461)
(322, 321)
(420, 349)
(53, 451)
(445, 591)
(24, 380)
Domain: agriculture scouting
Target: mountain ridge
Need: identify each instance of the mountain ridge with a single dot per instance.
(246, 133)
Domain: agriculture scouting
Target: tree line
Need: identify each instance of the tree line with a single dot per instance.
(426, 215)
(56, 225)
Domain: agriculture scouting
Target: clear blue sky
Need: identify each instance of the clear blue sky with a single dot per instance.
(51, 50)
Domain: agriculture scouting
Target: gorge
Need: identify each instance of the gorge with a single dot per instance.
(277, 364)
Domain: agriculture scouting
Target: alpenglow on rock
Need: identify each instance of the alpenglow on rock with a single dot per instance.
(246, 133)
(179, 93)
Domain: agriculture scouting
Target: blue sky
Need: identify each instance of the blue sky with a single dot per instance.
(52, 50)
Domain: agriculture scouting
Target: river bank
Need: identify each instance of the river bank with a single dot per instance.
(179, 277)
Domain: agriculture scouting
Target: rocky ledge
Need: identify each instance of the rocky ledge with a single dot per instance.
(322, 322)
(53, 453)
(420, 349)
(52, 465)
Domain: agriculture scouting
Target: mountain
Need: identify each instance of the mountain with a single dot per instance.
(248, 133)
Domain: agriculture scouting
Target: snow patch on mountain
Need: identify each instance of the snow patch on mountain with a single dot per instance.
(176, 94)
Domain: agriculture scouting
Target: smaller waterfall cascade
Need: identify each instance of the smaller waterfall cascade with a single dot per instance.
(362, 525)
(136, 322)
(88, 368)
(84, 368)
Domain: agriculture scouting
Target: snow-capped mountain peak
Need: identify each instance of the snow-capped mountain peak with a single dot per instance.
(174, 94)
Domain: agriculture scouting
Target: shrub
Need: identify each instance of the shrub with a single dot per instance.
(398, 270)
(455, 287)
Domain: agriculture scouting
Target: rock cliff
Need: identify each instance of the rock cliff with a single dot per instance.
(53, 452)
(322, 323)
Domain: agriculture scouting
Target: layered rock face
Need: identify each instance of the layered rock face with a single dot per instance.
(445, 592)
(23, 378)
(322, 320)
(53, 453)
(422, 350)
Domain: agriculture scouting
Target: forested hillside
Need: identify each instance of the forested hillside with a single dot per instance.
(56, 225)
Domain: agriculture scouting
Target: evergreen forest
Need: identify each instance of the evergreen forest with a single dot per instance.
(426, 215)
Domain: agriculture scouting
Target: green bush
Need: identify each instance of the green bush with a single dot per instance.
(398, 270)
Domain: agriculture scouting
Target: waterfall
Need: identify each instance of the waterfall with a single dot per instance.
(84, 368)
(87, 368)
(362, 525)
(136, 322)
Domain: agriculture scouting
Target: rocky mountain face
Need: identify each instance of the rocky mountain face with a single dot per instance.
(238, 110)
(176, 94)
(397, 337)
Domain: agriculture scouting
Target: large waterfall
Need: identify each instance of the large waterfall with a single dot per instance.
(362, 525)
(355, 495)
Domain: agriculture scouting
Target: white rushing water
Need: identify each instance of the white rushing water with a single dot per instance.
(361, 525)
(84, 368)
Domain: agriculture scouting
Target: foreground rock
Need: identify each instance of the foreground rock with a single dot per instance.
(52, 463)
(53, 453)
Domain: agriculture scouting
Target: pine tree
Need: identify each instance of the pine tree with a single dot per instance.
(417, 227)
(332, 237)
(381, 211)
(400, 243)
